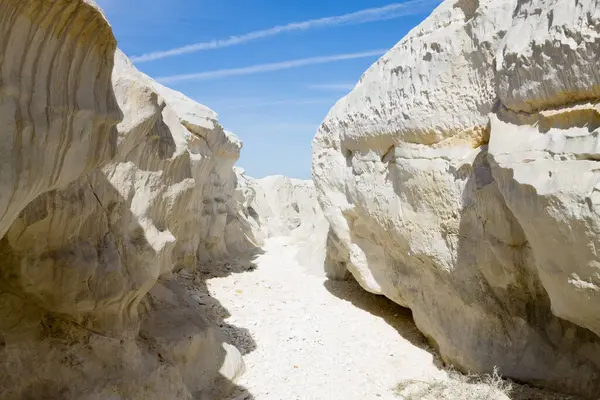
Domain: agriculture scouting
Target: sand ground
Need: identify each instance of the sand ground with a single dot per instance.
(309, 338)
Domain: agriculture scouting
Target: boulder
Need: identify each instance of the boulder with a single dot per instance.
(458, 180)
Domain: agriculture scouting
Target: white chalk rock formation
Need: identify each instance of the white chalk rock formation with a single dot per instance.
(545, 155)
(57, 122)
(96, 218)
(282, 207)
(491, 246)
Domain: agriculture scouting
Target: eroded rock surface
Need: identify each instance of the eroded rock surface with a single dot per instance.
(111, 184)
(57, 123)
(287, 208)
(458, 178)
(282, 205)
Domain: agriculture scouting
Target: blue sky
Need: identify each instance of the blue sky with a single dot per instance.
(271, 83)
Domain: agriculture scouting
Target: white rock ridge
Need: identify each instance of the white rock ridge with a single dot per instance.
(282, 204)
(57, 123)
(286, 208)
(492, 246)
(111, 183)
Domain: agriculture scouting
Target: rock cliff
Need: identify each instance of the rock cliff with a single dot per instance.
(287, 209)
(459, 179)
(110, 186)
(283, 205)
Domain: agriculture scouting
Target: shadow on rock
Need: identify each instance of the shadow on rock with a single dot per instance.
(205, 357)
(396, 316)
(177, 350)
(507, 314)
(196, 284)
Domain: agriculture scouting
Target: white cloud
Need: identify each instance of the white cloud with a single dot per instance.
(243, 103)
(333, 86)
(388, 12)
(262, 68)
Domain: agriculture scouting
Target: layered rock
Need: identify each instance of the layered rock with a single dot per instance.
(57, 122)
(545, 155)
(96, 217)
(491, 246)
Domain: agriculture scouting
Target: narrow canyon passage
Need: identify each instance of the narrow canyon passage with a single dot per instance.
(311, 338)
(444, 151)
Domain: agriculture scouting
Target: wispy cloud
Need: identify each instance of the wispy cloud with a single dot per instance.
(249, 103)
(262, 68)
(392, 11)
(333, 86)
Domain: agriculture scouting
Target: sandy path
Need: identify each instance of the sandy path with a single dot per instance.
(314, 339)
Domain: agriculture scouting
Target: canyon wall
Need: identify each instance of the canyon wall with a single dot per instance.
(284, 206)
(287, 210)
(111, 185)
(459, 178)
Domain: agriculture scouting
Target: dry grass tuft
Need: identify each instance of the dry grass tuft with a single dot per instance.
(474, 387)
(457, 387)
